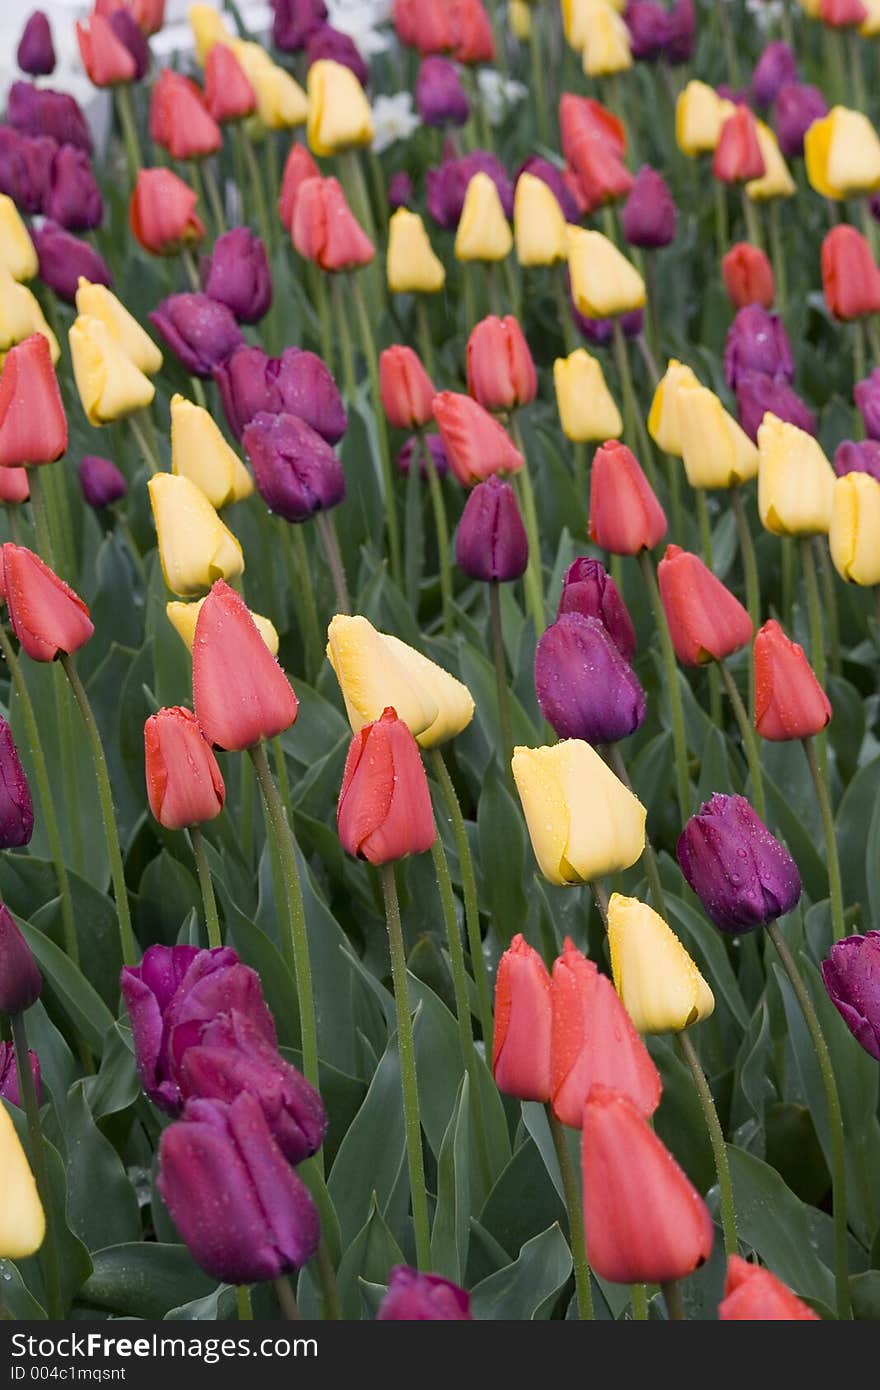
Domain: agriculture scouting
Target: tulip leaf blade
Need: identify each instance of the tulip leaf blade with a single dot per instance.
(450, 1231)
(144, 1279)
(528, 1288)
(84, 1007)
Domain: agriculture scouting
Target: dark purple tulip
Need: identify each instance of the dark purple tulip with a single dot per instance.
(295, 21)
(414, 1297)
(237, 274)
(9, 1075)
(585, 687)
(233, 1056)
(874, 206)
(36, 51)
(447, 186)
(400, 191)
(757, 393)
(181, 987)
(851, 975)
(72, 197)
(757, 342)
(131, 36)
(588, 589)
(682, 28)
(797, 106)
(16, 807)
(742, 875)
(296, 383)
(649, 213)
(296, 471)
(440, 97)
(25, 162)
(101, 481)
(491, 542)
(601, 331)
(202, 332)
(64, 258)
(20, 980)
(40, 111)
(328, 42)
(438, 455)
(649, 29)
(243, 1213)
(548, 173)
(858, 457)
(738, 95)
(776, 67)
(867, 399)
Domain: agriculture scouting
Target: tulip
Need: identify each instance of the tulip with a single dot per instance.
(775, 69)
(660, 986)
(339, 112)
(521, 1045)
(414, 1297)
(101, 481)
(870, 25)
(281, 102)
(664, 424)
(384, 810)
(743, 877)
(296, 471)
(601, 331)
(753, 1294)
(483, 232)
(603, 282)
(597, 174)
(179, 120)
(649, 214)
(229, 94)
(748, 276)
(128, 32)
(208, 29)
(22, 1221)
(538, 223)
(162, 213)
(195, 548)
(414, 446)
(440, 97)
(411, 265)
(737, 157)
(25, 163)
(854, 534)
(424, 24)
(606, 44)
(867, 398)
(223, 1157)
(587, 409)
(201, 331)
(9, 1075)
(237, 274)
(706, 622)
(586, 688)
(625, 515)
(757, 342)
(17, 253)
(47, 617)
(298, 167)
(583, 822)
(797, 106)
(644, 1220)
(325, 230)
(589, 590)
(199, 452)
(38, 111)
(842, 153)
(581, 119)
(757, 394)
(476, 444)
(14, 485)
(715, 450)
(33, 426)
(851, 975)
(447, 186)
(98, 302)
(184, 617)
(296, 383)
(36, 52)
(842, 14)
(148, 14)
(104, 57)
(406, 390)
(21, 317)
(491, 543)
(850, 275)
(328, 42)
(16, 807)
(776, 181)
(682, 28)
(789, 701)
(795, 480)
(500, 372)
(184, 784)
(295, 21)
(554, 179)
(110, 386)
(20, 979)
(852, 457)
(699, 115)
(65, 260)
(648, 25)
(400, 193)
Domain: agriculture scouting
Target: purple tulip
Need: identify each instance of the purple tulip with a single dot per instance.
(447, 186)
(295, 21)
(742, 875)
(101, 481)
(16, 807)
(9, 1075)
(440, 97)
(414, 1297)
(242, 1211)
(182, 989)
(585, 687)
(64, 258)
(776, 68)
(649, 29)
(296, 383)
(867, 399)
(874, 206)
(601, 331)
(36, 51)
(41, 111)
(400, 191)
(25, 162)
(328, 42)
(649, 213)
(588, 589)
(851, 975)
(413, 446)
(202, 332)
(858, 457)
(237, 274)
(548, 173)
(757, 393)
(757, 342)
(682, 29)
(491, 542)
(20, 980)
(72, 197)
(296, 471)
(132, 37)
(797, 106)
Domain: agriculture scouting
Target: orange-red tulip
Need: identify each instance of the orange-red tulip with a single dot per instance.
(104, 57)
(584, 118)
(789, 701)
(471, 32)
(179, 120)
(842, 14)
(850, 276)
(33, 426)
(324, 228)
(47, 617)
(406, 389)
(521, 1045)
(229, 95)
(737, 157)
(298, 167)
(424, 24)
(384, 809)
(706, 621)
(163, 214)
(184, 783)
(593, 143)
(748, 276)
(476, 445)
(753, 1294)
(625, 515)
(500, 372)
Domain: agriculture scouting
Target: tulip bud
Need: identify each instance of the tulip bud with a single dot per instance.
(447, 186)
(104, 57)
(414, 446)
(795, 480)
(47, 617)
(664, 425)
(737, 155)
(129, 33)
(757, 342)
(757, 395)
(586, 689)
(743, 877)
(748, 276)
(606, 44)
(775, 68)
(554, 179)
(789, 701)
(500, 372)
(589, 590)
(660, 986)
(699, 116)
(866, 394)
(776, 180)
(538, 222)
(715, 450)
(184, 784)
(229, 94)
(183, 617)
(295, 21)
(401, 194)
(72, 196)
(101, 481)
(325, 230)
(298, 167)
(854, 533)
(20, 979)
(850, 275)
(406, 390)
(706, 622)
(162, 213)
(798, 105)
(587, 409)
(476, 444)
(281, 102)
(648, 25)
(21, 317)
(296, 471)
(36, 52)
(339, 112)
(22, 1221)
(384, 810)
(625, 515)
(17, 253)
(440, 97)
(9, 1075)
(521, 1047)
(603, 282)
(33, 426)
(195, 547)
(16, 807)
(110, 386)
(96, 301)
(411, 265)
(853, 457)
(597, 173)
(491, 542)
(38, 111)
(414, 1297)
(65, 260)
(753, 1294)
(237, 274)
(851, 975)
(201, 331)
(179, 120)
(296, 383)
(842, 153)
(483, 232)
(328, 42)
(199, 452)
(649, 214)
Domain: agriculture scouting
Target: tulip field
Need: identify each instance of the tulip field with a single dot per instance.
(440, 680)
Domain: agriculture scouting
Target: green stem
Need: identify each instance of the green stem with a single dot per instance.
(722, 233)
(676, 708)
(28, 1094)
(287, 1299)
(214, 198)
(539, 104)
(243, 1304)
(533, 581)
(330, 544)
(66, 716)
(749, 739)
(750, 573)
(563, 306)
(327, 1277)
(829, 589)
(753, 225)
(705, 525)
(635, 433)
(652, 868)
(301, 584)
(318, 281)
(672, 1290)
(716, 1136)
(441, 525)
(256, 179)
(423, 332)
(823, 796)
(148, 452)
(369, 348)
(212, 921)
(639, 1299)
(777, 255)
(40, 516)
(814, 609)
(574, 1206)
(340, 312)
(124, 111)
(502, 688)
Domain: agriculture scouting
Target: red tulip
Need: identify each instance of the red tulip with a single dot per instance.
(14, 485)
(406, 389)
(105, 58)
(472, 37)
(424, 24)
(593, 143)
(476, 445)
(748, 276)
(179, 119)
(789, 701)
(500, 372)
(842, 14)
(594, 1041)
(229, 95)
(645, 1222)
(298, 167)
(240, 692)
(602, 175)
(384, 809)
(184, 784)
(584, 118)
(753, 1294)
(625, 515)
(706, 621)
(521, 1047)
(33, 426)
(162, 212)
(47, 617)
(737, 155)
(324, 228)
(850, 277)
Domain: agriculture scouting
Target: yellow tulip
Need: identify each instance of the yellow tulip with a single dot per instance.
(660, 986)
(208, 28)
(795, 480)
(583, 822)
(699, 115)
(339, 112)
(184, 616)
(17, 251)
(715, 450)
(195, 548)
(412, 266)
(811, 8)
(110, 385)
(519, 17)
(606, 46)
(199, 452)
(854, 534)
(20, 316)
(538, 223)
(281, 102)
(603, 282)
(663, 422)
(776, 180)
(22, 1221)
(587, 409)
(483, 231)
(138, 346)
(575, 21)
(842, 154)
(870, 25)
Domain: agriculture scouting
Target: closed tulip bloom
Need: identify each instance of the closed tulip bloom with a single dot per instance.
(104, 57)
(648, 25)
(339, 112)
(229, 95)
(33, 425)
(842, 14)
(200, 330)
(583, 822)
(587, 409)
(110, 386)
(606, 45)
(660, 986)
(14, 485)
(21, 317)
(325, 230)
(758, 394)
(625, 515)
(476, 444)
(36, 52)
(406, 389)
(598, 174)
(447, 186)
(411, 264)
(850, 275)
(795, 480)
(776, 180)
(547, 173)
(328, 42)
(870, 25)
(65, 260)
(594, 1042)
(491, 542)
(649, 214)
(776, 67)
(415, 1297)
(129, 33)
(440, 97)
(296, 383)
(384, 810)
(867, 398)
(223, 1159)
(184, 784)
(742, 875)
(851, 975)
(586, 688)
(20, 979)
(715, 450)
(179, 119)
(298, 167)
(22, 1221)
(401, 193)
(295, 21)
(483, 231)
(857, 457)
(706, 621)
(16, 807)
(757, 342)
(699, 115)
(199, 452)
(297, 472)
(538, 223)
(162, 213)
(184, 617)
(414, 447)
(854, 534)
(664, 424)
(645, 1222)
(737, 155)
(789, 701)
(237, 274)
(281, 101)
(588, 589)
(753, 1294)
(101, 481)
(195, 547)
(500, 372)
(24, 168)
(98, 302)
(521, 1046)
(682, 29)
(47, 617)
(603, 282)
(748, 276)
(842, 153)
(240, 693)
(797, 106)
(39, 111)
(9, 1075)
(17, 253)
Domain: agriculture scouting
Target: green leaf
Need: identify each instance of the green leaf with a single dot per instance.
(167, 893)
(14, 1295)
(502, 858)
(85, 1009)
(523, 1201)
(528, 1288)
(116, 1085)
(450, 1232)
(144, 1280)
(215, 1306)
(93, 1168)
(371, 1256)
(371, 1155)
(865, 1291)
